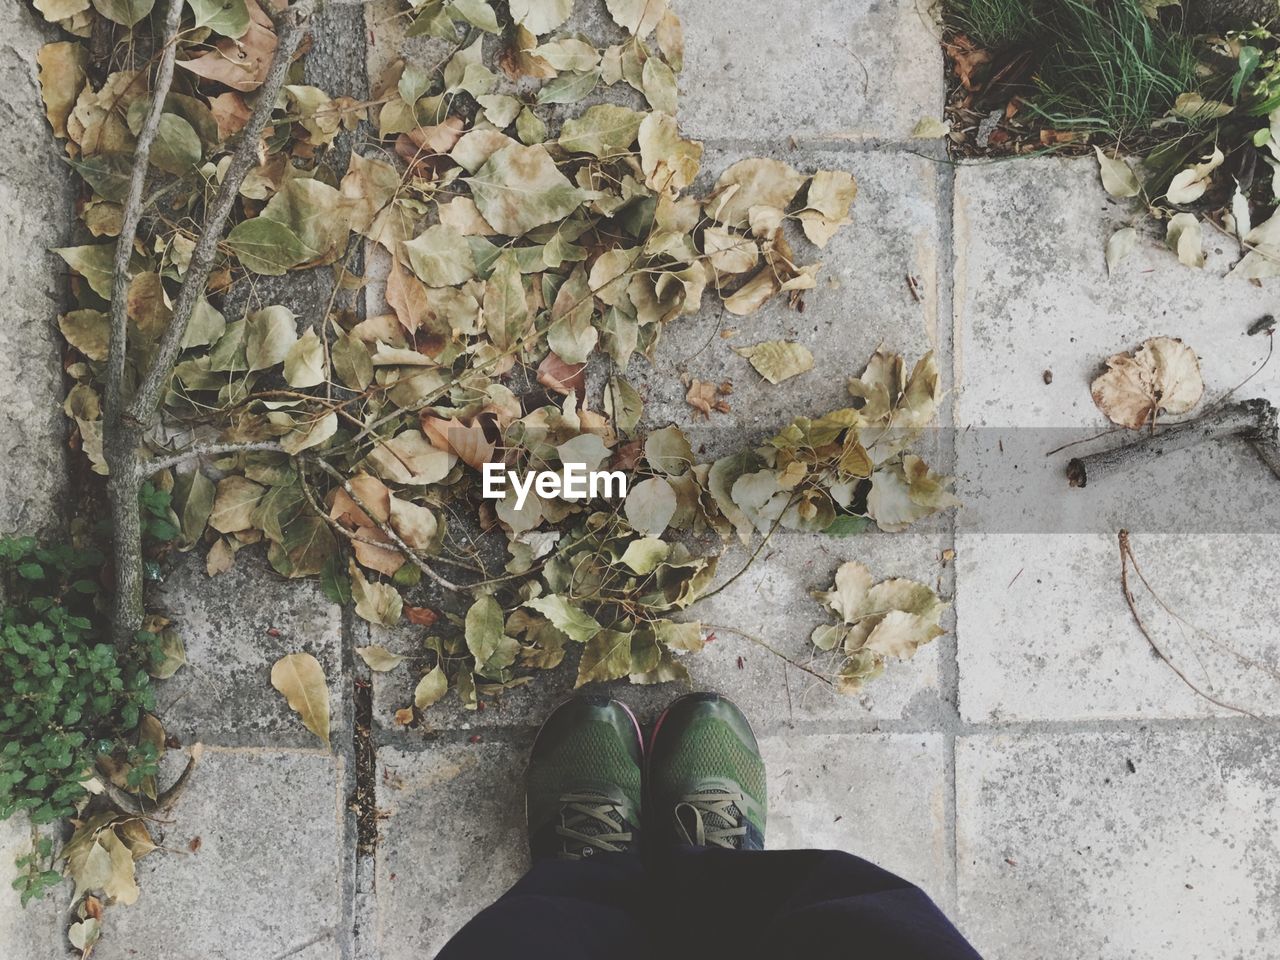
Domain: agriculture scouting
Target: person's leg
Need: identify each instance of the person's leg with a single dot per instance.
(562, 910)
(721, 894)
(799, 905)
(585, 890)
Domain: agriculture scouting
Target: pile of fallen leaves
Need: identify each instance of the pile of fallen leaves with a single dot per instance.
(522, 239)
(527, 231)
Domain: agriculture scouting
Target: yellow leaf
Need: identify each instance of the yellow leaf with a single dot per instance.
(300, 678)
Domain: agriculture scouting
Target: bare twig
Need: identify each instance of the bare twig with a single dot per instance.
(761, 642)
(121, 440)
(1254, 420)
(409, 553)
(1127, 558)
(132, 214)
(292, 24)
(149, 467)
(127, 427)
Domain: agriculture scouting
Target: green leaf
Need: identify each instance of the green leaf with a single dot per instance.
(847, 525)
(270, 333)
(644, 555)
(622, 404)
(430, 688)
(266, 246)
(519, 188)
(569, 87)
(177, 148)
(565, 617)
(107, 173)
(378, 603)
(484, 630)
(352, 363)
(440, 256)
(668, 451)
(193, 495)
(660, 88)
(506, 308)
(94, 262)
(540, 16)
(124, 12)
(227, 17)
(604, 131)
(650, 506)
(478, 13)
(607, 656)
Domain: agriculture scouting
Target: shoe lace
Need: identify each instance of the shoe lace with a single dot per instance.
(590, 824)
(711, 817)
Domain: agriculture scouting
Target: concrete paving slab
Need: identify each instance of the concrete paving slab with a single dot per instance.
(35, 199)
(1123, 845)
(267, 878)
(770, 602)
(452, 841)
(1045, 633)
(235, 627)
(1044, 630)
(831, 69)
(880, 797)
(863, 300)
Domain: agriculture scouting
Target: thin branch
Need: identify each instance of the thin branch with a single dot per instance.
(409, 553)
(131, 215)
(150, 467)
(1126, 558)
(1253, 420)
(761, 642)
(292, 25)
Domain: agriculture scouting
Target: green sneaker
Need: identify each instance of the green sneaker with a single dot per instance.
(706, 777)
(584, 781)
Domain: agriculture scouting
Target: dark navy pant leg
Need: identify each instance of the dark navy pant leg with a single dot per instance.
(796, 905)
(590, 909)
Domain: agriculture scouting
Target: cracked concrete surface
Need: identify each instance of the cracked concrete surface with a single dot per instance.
(1037, 770)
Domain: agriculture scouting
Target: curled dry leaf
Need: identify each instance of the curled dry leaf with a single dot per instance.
(300, 678)
(1185, 239)
(1190, 184)
(1163, 376)
(706, 397)
(1118, 179)
(893, 618)
(1119, 245)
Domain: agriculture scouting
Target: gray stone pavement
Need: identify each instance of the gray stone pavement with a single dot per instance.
(1045, 778)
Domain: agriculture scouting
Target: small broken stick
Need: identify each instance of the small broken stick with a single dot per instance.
(1254, 421)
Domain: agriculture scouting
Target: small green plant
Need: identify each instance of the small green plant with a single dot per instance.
(36, 875)
(66, 696)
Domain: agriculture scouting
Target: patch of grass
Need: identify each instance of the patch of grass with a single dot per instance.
(997, 24)
(1112, 69)
(1098, 65)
